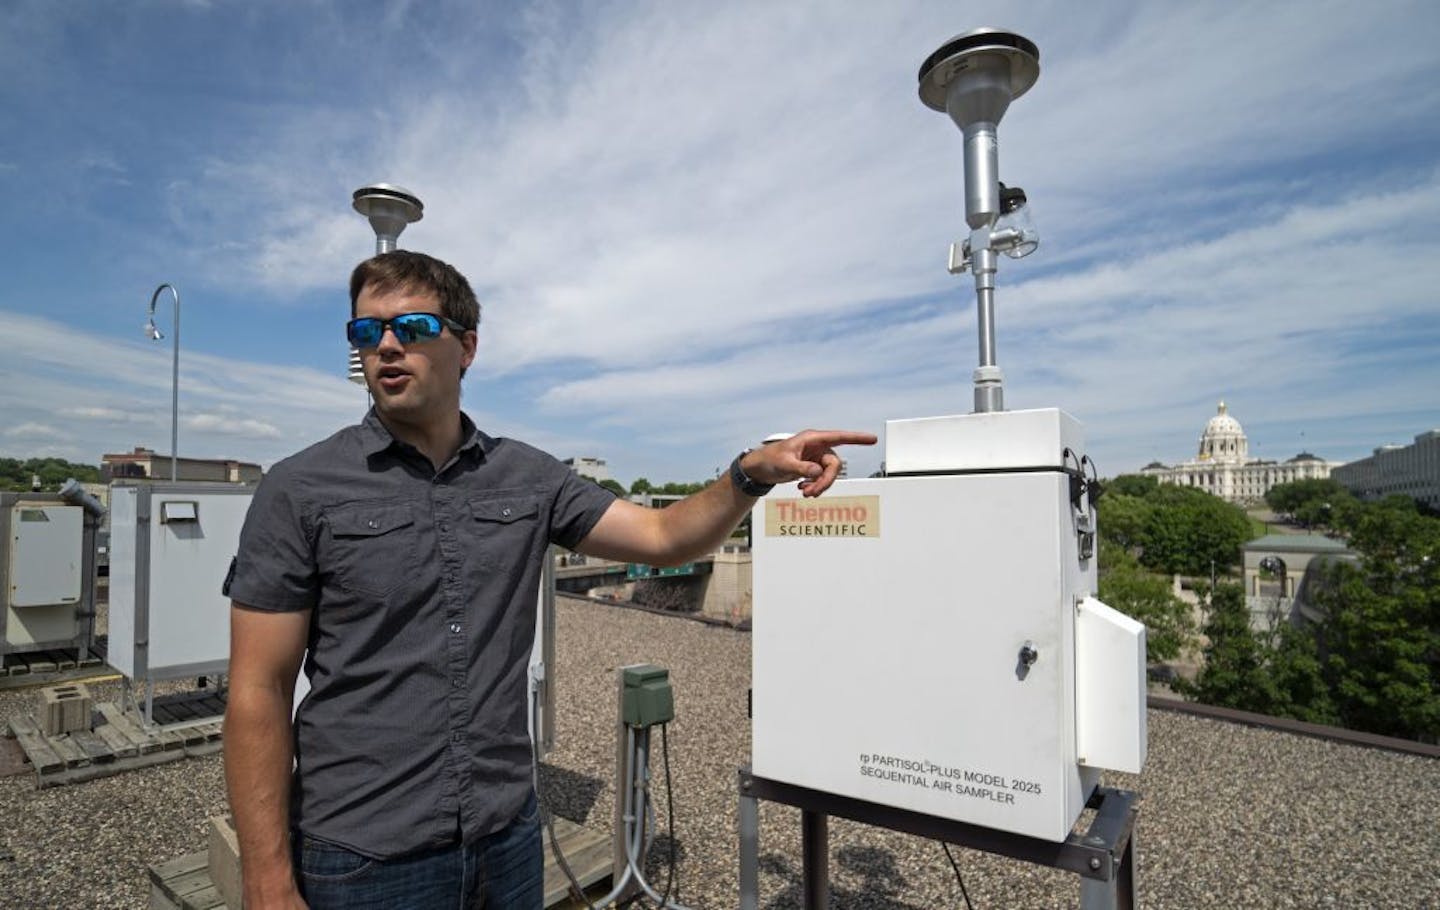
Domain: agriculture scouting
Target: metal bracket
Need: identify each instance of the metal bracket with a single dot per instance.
(1103, 856)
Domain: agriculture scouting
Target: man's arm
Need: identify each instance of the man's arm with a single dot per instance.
(698, 524)
(265, 653)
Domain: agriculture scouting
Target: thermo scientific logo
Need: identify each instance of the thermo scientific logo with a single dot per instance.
(840, 516)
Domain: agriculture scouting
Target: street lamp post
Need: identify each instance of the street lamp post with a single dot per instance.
(153, 332)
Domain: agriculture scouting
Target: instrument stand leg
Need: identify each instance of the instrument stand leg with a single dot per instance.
(1119, 892)
(749, 852)
(815, 846)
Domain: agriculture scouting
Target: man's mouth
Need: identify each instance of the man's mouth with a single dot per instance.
(392, 378)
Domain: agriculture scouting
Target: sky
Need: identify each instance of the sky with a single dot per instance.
(692, 225)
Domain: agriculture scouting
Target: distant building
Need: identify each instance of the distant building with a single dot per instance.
(1277, 567)
(145, 464)
(1412, 470)
(655, 500)
(1223, 466)
(594, 468)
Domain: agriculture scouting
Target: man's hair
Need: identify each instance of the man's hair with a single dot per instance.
(405, 270)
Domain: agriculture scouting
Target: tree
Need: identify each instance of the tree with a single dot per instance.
(1277, 673)
(1189, 531)
(640, 487)
(1299, 677)
(17, 475)
(1172, 529)
(1148, 598)
(1123, 519)
(1137, 485)
(1316, 503)
(681, 489)
(613, 486)
(1236, 672)
(1379, 639)
(1372, 661)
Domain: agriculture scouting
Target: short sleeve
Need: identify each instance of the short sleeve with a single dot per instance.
(274, 569)
(579, 503)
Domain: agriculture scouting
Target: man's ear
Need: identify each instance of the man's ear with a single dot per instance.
(470, 340)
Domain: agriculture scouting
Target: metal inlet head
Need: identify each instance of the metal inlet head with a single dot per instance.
(390, 208)
(974, 77)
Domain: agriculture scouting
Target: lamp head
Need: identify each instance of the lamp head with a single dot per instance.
(152, 331)
(390, 208)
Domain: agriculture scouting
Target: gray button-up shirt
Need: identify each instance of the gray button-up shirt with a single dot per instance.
(423, 587)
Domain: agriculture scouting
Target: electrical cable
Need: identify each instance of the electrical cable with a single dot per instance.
(547, 819)
(670, 815)
(633, 812)
(958, 877)
(632, 845)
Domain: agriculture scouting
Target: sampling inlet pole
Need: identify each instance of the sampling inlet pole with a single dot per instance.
(973, 77)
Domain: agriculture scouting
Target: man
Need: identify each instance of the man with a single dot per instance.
(400, 559)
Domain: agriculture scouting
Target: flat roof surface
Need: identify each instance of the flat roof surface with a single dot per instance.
(1230, 815)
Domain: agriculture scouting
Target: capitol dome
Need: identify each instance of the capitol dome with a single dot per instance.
(1223, 440)
(1223, 467)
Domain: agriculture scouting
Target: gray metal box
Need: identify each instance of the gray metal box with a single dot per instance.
(46, 554)
(44, 573)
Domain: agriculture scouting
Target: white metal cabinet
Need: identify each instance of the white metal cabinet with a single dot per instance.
(894, 619)
(170, 547)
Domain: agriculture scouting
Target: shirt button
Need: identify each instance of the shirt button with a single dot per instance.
(372, 524)
(457, 682)
(444, 526)
(505, 513)
(455, 627)
(457, 736)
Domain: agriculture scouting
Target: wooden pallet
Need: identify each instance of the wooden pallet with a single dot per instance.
(117, 742)
(588, 853)
(185, 883)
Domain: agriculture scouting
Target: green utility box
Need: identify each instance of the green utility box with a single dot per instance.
(648, 698)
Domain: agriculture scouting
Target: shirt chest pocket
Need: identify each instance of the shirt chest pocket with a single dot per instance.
(505, 527)
(372, 546)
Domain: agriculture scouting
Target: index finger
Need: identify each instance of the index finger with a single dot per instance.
(839, 437)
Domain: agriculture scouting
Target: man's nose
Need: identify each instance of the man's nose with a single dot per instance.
(389, 344)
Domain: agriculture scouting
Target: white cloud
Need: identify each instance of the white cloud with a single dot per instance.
(98, 386)
(32, 431)
(230, 425)
(114, 415)
(691, 224)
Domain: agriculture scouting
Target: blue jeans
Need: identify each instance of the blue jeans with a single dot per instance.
(501, 871)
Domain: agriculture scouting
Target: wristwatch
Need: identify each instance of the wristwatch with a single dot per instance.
(742, 481)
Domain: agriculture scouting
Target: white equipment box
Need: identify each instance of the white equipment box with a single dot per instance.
(931, 642)
(170, 547)
(44, 573)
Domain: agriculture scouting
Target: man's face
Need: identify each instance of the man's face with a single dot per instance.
(416, 384)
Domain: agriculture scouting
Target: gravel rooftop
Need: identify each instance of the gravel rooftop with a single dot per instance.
(1230, 816)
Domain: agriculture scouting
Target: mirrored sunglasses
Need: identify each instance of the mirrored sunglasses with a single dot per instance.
(367, 331)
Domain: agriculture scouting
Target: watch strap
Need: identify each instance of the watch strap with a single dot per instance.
(743, 482)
